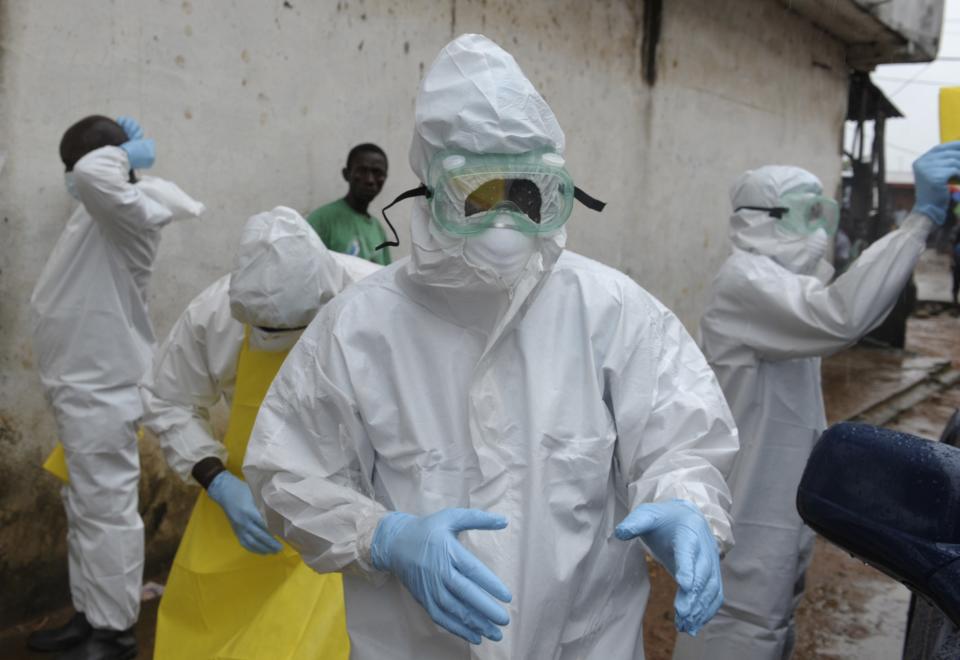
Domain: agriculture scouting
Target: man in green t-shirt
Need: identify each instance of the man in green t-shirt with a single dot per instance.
(344, 225)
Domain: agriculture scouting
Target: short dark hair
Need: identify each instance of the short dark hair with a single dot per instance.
(366, 147)
(88, 134)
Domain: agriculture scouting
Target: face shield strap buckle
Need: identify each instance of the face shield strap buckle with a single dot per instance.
(590, 202)
(776, 211)
(419, 191)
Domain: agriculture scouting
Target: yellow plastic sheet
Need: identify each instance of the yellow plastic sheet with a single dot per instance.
(223, 602)
(949, 114)
(56, 463)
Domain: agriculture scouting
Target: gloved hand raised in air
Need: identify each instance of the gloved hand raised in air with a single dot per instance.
(131, 127)
(679, 537)
(141, 152)
(931, 173)
(234, 497)
(452, 585)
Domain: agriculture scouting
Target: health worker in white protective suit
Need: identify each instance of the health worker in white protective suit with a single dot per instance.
(94, 340)
(232, 585)
(771, 316)
(462, 432)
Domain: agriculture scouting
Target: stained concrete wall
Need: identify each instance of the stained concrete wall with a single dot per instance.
(255, 104)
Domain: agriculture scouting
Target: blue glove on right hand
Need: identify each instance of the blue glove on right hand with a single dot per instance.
(131, 127)
(234, 497)
(931, 173)
(141, 153)
(680, 538)
(452, 585)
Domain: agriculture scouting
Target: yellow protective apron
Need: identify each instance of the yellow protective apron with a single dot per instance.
(222, 601)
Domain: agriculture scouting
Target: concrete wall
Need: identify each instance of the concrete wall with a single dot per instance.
(255, 104)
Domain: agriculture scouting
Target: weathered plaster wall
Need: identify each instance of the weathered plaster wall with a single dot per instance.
(255, 104)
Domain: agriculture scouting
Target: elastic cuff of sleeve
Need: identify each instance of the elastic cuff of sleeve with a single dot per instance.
(366, 530)
(936, 214)
(207, 469)
(919, 224)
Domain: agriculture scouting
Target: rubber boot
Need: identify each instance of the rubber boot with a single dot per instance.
(66, 636)
(104, 645)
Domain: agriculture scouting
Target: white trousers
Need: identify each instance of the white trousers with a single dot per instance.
(104, 530)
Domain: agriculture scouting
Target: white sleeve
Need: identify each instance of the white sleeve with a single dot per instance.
(356, 268)
(193, 368)
(309, 461)
(679, 444)
(103, 183)
(794, 316)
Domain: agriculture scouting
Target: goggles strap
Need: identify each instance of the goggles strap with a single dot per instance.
(590, 202)
(776, 211)
(419, 191)
(422, 191)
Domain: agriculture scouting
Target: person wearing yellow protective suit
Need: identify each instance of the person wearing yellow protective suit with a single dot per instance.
(234, 591)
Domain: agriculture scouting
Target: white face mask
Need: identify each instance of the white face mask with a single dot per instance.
(70, 181)
(799, 254)
(503, 251)
(814, 249)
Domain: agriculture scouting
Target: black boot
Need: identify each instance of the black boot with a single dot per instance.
(66, 636)
(104, 645)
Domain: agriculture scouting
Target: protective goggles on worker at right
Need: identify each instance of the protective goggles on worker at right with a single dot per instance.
(803, 213)
(469, 193)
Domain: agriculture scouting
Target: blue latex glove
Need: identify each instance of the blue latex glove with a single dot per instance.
(131, 127)
(452, 585)
(141, 153)
(234, 497)
(931, 173)
(680, 538)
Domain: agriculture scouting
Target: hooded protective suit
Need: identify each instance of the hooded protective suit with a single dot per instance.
(770, 318)
(511, 377)
(93, 339)
(222, 600)
(281, 280)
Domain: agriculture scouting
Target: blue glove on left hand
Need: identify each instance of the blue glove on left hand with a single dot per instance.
(680, 539)
(141, 153)
(131, 127)
(931, 173)
(234, 497)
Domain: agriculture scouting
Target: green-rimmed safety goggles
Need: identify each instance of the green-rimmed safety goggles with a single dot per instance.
(803, 213)
(531, 192)
(469, 193)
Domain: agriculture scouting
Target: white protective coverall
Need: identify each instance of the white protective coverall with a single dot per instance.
(770, 319)
(94, 340)
(197, 363)
(561, 400)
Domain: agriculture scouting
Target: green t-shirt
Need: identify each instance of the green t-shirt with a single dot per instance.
(344, 230)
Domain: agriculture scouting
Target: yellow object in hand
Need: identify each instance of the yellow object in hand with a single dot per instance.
(949, 114)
